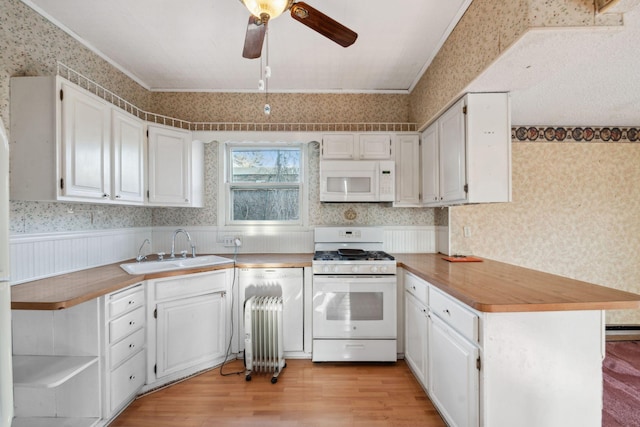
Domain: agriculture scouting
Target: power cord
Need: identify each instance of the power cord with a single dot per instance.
(233, 284)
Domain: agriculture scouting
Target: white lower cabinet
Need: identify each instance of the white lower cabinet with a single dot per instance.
(187, 327)
(441, 349)
(504, 369)
(453, 374)
(125, 347)
(416, 324)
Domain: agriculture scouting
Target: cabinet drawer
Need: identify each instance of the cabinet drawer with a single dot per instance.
(123, 326)
(417, 287)
(191, 285)
(126, 347)
(127, 380)
(454, 314)
(128, 300)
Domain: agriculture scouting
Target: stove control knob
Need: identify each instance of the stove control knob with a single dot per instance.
(335, 269)
(383, 269)
(354, 269)
(374, 269)
(325, 269)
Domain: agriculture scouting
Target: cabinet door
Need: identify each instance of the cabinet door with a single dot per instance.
(430, 166)
(128, 161)
(375, 147)
(85, 147)
(407, 170)
(190, 331)
(169, 166)
(451, 133)
(338, 147)
(415, 352)
(453, 375)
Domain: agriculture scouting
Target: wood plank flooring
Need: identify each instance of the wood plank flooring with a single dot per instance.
(306, 394)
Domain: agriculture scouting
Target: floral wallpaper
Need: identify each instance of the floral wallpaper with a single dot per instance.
(574, 211)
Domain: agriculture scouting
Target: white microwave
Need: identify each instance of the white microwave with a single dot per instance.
(357, 181)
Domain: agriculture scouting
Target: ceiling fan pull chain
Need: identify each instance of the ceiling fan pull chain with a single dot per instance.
(267, 75)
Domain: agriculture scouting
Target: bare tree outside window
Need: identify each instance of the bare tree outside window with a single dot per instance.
(265, 184)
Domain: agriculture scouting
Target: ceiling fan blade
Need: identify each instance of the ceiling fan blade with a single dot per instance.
(324, 25)
(256, 29)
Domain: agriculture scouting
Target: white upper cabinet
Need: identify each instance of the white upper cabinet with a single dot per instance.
(364, 146)
(176, 167)
(430, 165)
(86, 154)
(407, 155)
(375, 146)
(466, 152)
(338, 147)
(129, 155)
(68, 144)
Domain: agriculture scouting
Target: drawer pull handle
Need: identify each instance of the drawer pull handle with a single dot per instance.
(446, 311)
(132, 345)
(131, 302)
(132, 323)
(132, 377)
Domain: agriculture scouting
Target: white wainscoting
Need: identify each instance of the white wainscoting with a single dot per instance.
(37, 256)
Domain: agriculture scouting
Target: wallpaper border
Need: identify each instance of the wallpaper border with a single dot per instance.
(584, 134)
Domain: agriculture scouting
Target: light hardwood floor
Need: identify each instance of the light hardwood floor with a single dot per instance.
(306, 394)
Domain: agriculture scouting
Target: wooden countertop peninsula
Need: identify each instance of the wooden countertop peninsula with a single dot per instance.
(488, 286)
(492, 286)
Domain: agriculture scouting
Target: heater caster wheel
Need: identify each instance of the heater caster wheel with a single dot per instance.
(274, 380)
(248, 378)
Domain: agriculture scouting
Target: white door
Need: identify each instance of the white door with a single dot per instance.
(375, 147)
(451, 133)
(169, 166)
(277, 282)
(415, 352)
(338, 147)
(190, 331)
(453, 375)
(128, 144)
(86, 160)
(430, 166)
(407, 153)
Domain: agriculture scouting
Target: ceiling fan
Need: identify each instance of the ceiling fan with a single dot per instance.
(264, 10)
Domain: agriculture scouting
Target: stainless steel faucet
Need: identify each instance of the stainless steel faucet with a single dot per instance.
(173, 243)
(141, 257)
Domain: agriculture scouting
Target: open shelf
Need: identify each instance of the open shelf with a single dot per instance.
(48, 371)
(54, 422)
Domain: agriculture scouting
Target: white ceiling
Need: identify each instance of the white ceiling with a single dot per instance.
(562, 77)
(197, 44)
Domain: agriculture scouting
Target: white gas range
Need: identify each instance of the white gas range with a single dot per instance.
(354, 296)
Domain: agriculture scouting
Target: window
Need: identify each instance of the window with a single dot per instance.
(264, 183)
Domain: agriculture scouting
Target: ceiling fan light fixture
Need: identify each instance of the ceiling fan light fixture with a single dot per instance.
(271, 8)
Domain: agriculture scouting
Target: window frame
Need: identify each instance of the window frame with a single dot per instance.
(225, 206)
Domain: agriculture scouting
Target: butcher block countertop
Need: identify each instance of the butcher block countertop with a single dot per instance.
(492, 286)
(488, 286)
(67, 290)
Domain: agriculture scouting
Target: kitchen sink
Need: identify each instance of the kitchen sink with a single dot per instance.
(148, 267)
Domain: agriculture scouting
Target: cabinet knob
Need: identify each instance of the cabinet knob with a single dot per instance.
(132, 323)
(117, 196)
(105, 196)
(446, 311)
(132, 345)
(132, 377)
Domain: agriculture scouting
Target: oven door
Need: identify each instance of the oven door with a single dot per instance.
(352, 307)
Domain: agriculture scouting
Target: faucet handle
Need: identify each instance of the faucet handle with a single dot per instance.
(160, 256)
(183, 253)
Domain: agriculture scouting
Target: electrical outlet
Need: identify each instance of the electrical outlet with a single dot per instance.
(466, 231)
(232, 241)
